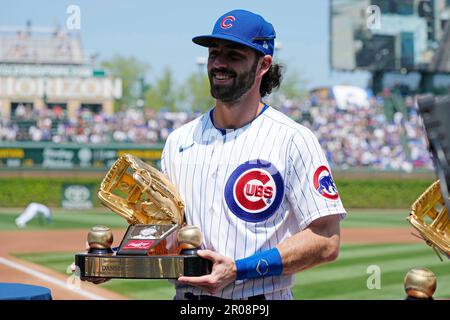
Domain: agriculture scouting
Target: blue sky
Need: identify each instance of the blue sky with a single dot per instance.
(160, 32)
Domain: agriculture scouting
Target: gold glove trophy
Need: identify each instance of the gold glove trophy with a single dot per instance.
(155, 244)
(429, 216)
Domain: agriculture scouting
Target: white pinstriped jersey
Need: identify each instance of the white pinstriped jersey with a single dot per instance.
(249, 189)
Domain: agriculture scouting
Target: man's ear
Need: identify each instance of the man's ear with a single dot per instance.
(266, 63)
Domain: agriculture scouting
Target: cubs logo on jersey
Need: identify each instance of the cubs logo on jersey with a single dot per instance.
(254, 190)
(324, 183)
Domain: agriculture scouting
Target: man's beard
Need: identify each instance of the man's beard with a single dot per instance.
(241, 83)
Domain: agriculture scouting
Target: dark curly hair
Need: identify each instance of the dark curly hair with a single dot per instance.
(272, 79)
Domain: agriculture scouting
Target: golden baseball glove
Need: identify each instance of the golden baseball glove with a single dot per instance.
(430, 218)
(140, 193)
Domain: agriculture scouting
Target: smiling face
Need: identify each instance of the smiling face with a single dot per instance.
(231, 70)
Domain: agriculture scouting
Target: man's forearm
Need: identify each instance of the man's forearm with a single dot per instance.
(317, 244)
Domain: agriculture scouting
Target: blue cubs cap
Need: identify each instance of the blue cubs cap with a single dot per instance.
(244, 27)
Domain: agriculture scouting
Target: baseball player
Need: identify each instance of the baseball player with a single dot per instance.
(31, 211)
(256, 183)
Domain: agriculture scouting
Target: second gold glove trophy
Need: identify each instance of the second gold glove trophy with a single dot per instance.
(155, 244)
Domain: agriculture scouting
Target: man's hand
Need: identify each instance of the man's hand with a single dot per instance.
(223, 273)
(73, 268)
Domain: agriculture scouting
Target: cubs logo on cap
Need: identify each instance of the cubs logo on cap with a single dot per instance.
(324, 183)
(227, 22)
(254, 191)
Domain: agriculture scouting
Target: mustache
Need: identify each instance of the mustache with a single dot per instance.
(222, 70)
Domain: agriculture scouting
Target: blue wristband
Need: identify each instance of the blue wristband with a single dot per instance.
(263, 264)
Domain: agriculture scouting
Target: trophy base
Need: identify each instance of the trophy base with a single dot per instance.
(100, 251)
(141, 267)
(189, 252)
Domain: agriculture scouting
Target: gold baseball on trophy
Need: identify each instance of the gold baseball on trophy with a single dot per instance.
(189, 237)
(100, 237)
(420, 283)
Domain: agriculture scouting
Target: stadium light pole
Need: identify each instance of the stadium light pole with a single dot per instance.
(201, 62)
(45, 97)
(277, 48)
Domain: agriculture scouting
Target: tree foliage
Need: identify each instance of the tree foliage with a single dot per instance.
(131, 71)
(197, 92)
(293, 85)
(163, 94)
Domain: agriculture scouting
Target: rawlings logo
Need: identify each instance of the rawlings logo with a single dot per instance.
(138, 245)
(254, 190)
(227, 22)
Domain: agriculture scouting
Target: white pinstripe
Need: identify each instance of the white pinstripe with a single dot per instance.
(202, 170)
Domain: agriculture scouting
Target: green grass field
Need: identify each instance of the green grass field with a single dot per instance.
(346, 278)
(64, 219)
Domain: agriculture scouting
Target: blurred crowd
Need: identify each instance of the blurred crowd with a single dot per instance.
(130, 126)
(363, 136)
(357, 136)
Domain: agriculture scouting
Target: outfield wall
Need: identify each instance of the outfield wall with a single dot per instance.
(370, 191)
(71, 156)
